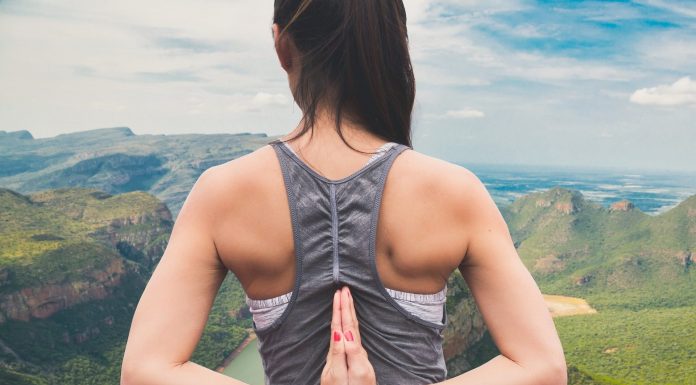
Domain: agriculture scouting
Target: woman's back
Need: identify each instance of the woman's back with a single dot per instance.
(420, 237)
(418, 242)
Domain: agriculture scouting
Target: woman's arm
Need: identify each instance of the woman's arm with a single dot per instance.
(508, 298)
(175, 305)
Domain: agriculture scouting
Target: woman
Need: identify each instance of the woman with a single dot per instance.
(344, 268)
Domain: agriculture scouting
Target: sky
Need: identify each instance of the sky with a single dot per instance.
(552, 83)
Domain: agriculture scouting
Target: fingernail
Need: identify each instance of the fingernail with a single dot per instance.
(348, 292)
(349, 336)
(337, 336)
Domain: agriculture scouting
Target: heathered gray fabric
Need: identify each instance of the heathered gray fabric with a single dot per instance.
(334, 230)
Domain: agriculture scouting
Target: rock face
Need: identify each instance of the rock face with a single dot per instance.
(116, 236)
(44, 301)
(623, 205)
(467, 344)
(686, 259)
(146, 246)
(549, 264)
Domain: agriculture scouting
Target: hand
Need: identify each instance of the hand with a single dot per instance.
(347, 362)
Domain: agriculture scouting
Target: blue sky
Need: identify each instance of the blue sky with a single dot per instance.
(557, 83)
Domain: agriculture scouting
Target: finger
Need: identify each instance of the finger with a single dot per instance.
(360, 369)
(336, 346)
(355, 316)
(336, 314)
(348, 321)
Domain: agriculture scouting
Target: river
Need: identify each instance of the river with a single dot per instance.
(246, 365)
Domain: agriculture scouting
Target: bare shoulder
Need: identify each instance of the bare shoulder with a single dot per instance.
(224, 187)
(453, 183)
(454, 193)
(246, 168)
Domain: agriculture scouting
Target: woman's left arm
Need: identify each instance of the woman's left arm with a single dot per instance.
(508, 298)
(175, 305)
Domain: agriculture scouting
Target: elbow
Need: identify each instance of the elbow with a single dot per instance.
(554, 374)
(561, 374)
(128, 374)
(140, 372)
(547, 372)
(137, 373)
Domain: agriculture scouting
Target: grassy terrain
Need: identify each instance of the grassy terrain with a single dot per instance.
(628, 265)
(643, 347)
(631, 268)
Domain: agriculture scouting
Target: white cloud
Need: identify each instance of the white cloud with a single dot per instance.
(464, 113)
(260, 101)
(209, 66)
(448, 47)
(682, 9)
(263, 99)
(681, 92)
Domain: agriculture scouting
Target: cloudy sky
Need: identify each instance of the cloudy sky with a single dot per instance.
(558, 83)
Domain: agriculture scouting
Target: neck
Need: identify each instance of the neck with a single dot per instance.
(326, 138)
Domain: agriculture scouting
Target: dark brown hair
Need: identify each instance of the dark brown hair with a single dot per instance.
(354, 60)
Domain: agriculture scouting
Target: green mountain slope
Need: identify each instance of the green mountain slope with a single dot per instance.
(73, 264)
(115, 160)
(635, 269)
(614, 257)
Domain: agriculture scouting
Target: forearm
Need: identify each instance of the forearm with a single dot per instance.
(184, 374)
(500, 370)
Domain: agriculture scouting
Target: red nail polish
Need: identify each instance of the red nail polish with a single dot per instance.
(349, 336)
(337, 336)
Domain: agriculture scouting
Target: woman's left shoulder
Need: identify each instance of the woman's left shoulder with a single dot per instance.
(435, 174)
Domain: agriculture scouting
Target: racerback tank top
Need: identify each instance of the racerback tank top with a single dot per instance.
(426, 306)
(334, 224)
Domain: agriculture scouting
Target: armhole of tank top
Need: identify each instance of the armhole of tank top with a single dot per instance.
(372, 244)
(296, 242)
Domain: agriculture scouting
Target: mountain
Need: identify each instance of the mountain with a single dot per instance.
(615, 256)
(115, 160)
(73, 264)
(84, 217)
(635, 269)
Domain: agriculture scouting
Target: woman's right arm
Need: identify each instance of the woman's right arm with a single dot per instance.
(174, 308)
(508, 298)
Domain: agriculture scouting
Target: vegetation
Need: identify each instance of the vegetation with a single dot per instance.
(62, 239)
(635, 269)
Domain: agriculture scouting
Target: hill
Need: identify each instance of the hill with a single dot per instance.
(73, 264)
(115, 160)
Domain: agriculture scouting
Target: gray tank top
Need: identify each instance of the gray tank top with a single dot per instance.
(334, 225)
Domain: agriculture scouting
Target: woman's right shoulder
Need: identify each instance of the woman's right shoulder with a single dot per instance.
(247, 171)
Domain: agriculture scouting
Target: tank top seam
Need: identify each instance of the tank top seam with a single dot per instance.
(334, 234)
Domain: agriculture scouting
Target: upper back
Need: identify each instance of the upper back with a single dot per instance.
(420, 236)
